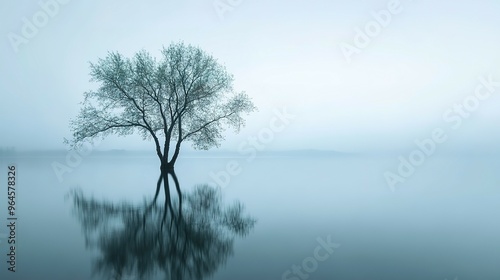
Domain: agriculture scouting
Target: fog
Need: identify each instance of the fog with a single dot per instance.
(349, 92)
(373, 152)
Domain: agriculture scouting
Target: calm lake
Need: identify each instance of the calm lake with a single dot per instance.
(317, 217)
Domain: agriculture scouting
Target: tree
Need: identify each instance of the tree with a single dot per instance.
(185, 96)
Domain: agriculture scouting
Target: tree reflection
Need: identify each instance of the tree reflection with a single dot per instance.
(188, 241)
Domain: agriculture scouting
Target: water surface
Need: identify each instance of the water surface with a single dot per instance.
(440, 224)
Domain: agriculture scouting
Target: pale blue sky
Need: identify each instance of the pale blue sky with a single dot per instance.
(283, 54)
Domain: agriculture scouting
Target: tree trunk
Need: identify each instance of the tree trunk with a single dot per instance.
(168, 169)
(176, 154)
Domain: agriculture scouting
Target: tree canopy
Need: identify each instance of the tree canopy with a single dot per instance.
(186, 95)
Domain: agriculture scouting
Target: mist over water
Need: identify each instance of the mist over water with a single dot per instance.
(351, 140)
(439, 224)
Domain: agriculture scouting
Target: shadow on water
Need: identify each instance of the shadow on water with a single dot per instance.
(188, 238)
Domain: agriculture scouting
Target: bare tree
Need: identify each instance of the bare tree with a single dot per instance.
(184, 96)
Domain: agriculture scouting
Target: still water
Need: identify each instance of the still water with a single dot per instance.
(281, 217)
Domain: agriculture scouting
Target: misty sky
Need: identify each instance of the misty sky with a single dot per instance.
(284, 54)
